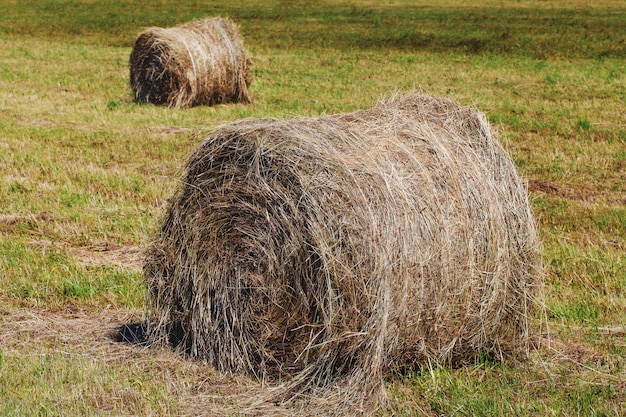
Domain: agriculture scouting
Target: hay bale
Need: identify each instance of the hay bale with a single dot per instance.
(325, 252)
(201, 62)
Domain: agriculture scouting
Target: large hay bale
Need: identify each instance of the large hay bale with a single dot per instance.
(201, 62)
(325, 252)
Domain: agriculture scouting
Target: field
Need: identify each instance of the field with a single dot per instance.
(85, 175)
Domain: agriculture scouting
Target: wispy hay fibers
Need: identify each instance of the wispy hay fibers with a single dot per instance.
(201, 62)
(322, 253)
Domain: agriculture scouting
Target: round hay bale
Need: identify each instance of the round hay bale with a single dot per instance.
(201, 62)
(325, 252)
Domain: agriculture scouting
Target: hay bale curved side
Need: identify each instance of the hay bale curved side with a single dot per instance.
(324, 252)
(201, 62)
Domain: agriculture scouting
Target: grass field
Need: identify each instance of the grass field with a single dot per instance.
(85, 174)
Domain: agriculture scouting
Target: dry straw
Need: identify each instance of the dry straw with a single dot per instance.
(201, 62)
(322, 253)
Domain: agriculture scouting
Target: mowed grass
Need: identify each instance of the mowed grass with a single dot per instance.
(85, 175)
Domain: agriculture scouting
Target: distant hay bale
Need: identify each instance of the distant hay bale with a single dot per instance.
(323, 253)
(201, 62)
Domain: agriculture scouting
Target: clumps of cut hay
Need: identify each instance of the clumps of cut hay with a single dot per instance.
(322, 253)
(201, 62)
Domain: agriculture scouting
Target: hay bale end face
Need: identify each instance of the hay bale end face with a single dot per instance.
(325, 252)
(201, 62)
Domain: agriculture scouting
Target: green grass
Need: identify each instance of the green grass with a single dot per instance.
(74, 384)
(83, 170)
(471, 392)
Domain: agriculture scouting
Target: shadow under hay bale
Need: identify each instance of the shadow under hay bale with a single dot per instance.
(321, 253)
(131, 333)
(201, 62)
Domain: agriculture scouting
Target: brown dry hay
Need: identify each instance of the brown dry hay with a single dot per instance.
(320, 254)
(68, 328)
(10, 219)
(201, 62)
(131, 256)
(105, 253)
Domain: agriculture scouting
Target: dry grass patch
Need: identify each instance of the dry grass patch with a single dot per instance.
(74, 345)
(130, 256)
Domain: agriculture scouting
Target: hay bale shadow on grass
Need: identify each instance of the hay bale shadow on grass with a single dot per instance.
(320, 254)
(132, 334)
